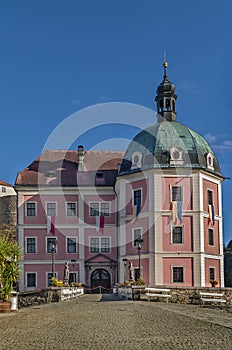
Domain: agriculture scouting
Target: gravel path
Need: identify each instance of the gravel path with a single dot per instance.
(87, 323)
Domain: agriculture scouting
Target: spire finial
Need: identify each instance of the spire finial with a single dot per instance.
(165, 65)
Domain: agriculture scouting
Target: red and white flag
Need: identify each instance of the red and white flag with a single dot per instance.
(100, 221)
(50, 225)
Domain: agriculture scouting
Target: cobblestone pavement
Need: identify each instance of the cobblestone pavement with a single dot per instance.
(91, 323)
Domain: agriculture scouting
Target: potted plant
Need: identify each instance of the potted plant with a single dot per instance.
(213, 283)
(9, 271)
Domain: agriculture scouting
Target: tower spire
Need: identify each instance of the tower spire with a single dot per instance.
(165, 65)
(166, 97)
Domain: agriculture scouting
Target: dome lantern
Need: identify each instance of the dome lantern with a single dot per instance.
(166, 98)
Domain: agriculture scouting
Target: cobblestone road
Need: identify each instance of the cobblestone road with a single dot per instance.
(88, 323)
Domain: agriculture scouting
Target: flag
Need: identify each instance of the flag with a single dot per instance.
(135, 211)
(174, 212)
(51, 224)
(179, 210)
(211, 213)
(100, 221)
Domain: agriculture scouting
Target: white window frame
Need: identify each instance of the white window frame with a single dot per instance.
(211, 229)
(46, 243)
(99, 208)
(74, 273)
(50, 272)
(70, 216)
(99, 244)
(133, 195)
(214, 269)
(36, 279)
(182, 192)
(30, 202)
(172, 275)
(139, 163)
(133, 235)
(172, 234)
(210, 189)
(3, 189)
(30, 237)
(48, 202)
(74, 238)
(210, 161)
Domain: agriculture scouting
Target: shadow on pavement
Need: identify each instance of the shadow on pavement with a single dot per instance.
(111, 297)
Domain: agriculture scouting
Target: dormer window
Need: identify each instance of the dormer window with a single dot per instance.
(136, 160)
(51, 173)
(210, 161)
(176, 156)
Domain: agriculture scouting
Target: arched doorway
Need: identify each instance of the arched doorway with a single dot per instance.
(100, 281)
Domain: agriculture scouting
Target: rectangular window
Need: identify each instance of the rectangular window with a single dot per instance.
(99, 244)
(3, 189)
(102, 209)
(31, 279)
(105, 245)
(177, 234)
(178, 274)
(31, 245)
(137, 234)
(31, 209)
(71, 245)
(212, 273)
(72, 277)
(94, 209)
(94, 245)
(176, 193)
(51, 209)
(49, 278)
(211, 236)
(71, 209)
(51, 244)
(210, 197)
(137, 197)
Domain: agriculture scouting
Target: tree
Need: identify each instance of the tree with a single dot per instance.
(9, 269)
(228, 264)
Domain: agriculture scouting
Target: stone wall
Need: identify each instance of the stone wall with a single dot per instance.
(179, 295)
(8, 210)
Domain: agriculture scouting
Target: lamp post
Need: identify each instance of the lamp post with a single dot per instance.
(125, 262)
(139, 244)
(53, 244)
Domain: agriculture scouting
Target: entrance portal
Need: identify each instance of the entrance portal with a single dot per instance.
(100, 281)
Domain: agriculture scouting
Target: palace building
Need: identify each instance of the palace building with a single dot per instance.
(157, 207)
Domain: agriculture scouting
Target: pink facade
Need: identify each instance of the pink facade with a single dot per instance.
(170, 263)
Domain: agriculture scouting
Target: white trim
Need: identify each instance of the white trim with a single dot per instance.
(133, 191)
(46, 243)
(30, 202)
(50, 272)
(182, 191)
(66, 241)
(172, 226)
(139, 163)
(99, 207)
(183, 267)
(212, 229)
(46, 206)
(214, 268)
(26, 237)
(36, 280)
(133, 235)
(66, 206)
(99, 244)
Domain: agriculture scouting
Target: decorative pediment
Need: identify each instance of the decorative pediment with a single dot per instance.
(99, 258)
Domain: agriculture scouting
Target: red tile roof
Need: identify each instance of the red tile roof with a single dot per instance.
(3, 183)
(60, 168)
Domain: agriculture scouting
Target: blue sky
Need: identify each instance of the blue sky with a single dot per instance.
(58, 57)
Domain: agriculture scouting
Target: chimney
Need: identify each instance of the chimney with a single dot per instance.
(80, 153)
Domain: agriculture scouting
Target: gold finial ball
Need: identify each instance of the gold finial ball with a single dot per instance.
(165, 64)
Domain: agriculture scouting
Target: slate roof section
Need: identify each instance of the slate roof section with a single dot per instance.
(60, 168)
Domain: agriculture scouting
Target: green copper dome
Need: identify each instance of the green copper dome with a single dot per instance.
(167, 145)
